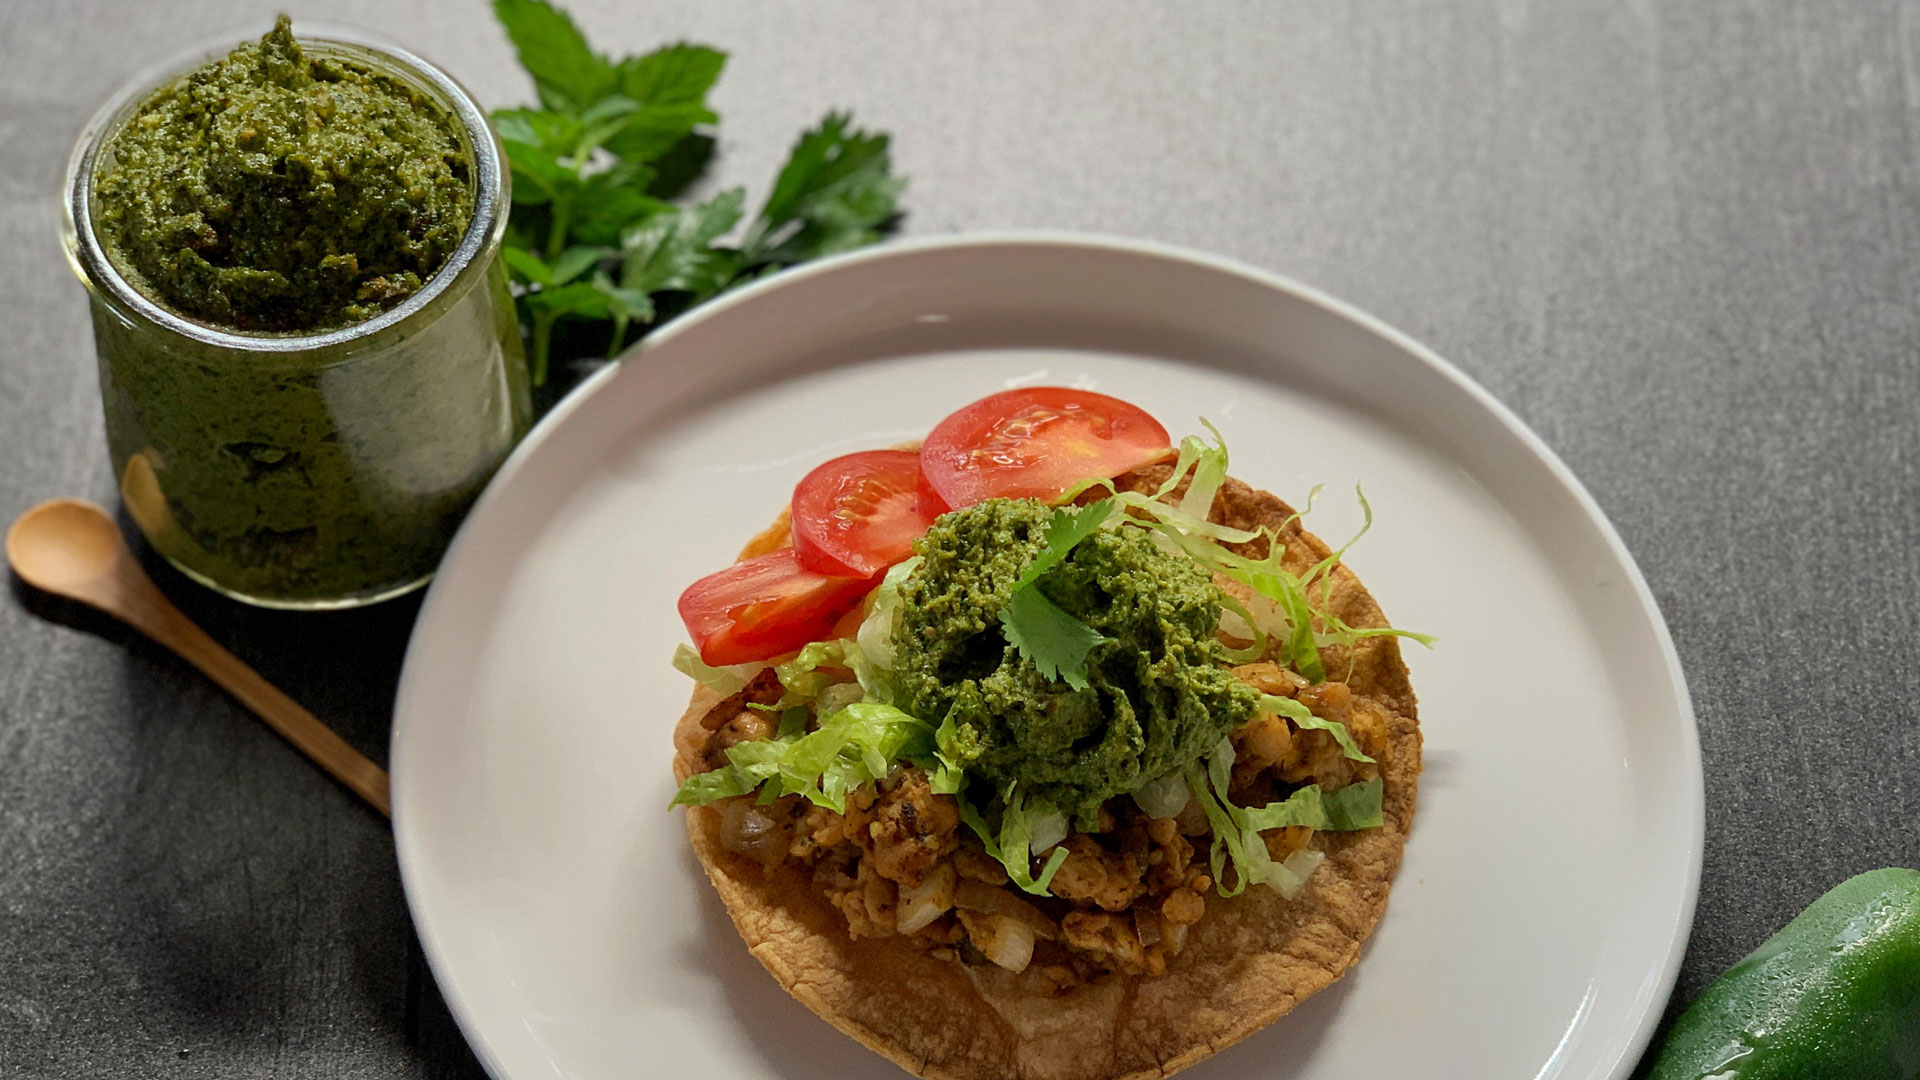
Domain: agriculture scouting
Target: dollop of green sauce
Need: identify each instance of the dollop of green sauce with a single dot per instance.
(273, 191)
(1157, 698)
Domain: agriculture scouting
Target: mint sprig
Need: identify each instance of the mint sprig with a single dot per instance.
(594, 237)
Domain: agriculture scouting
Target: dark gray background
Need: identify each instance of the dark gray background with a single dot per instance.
(1675, 237)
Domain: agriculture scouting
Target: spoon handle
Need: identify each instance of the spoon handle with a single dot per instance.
(149, 609)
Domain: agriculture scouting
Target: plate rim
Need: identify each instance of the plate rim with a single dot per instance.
(1647, 1010)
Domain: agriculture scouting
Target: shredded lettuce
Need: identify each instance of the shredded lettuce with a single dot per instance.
(1209, 472)
(855, 746)
(721, 680)
(875, 636)
(812, 671)
(1356, 806)
(1282, 607)
(1303, 717)
(1237, 842)
(1012, 845)
(947, 776)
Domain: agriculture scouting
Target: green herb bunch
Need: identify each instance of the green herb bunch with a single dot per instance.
(594, 239)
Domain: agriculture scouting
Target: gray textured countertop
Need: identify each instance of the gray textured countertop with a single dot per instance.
(1676, 238)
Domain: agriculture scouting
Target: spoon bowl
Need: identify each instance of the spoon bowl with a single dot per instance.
(64, 545)
(73, 548)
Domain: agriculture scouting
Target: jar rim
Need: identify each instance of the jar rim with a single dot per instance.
(485, 229)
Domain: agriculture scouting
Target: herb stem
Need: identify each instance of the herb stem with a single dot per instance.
(542, 338)
(557, 231)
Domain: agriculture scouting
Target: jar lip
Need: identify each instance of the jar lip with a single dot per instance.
(484, 231)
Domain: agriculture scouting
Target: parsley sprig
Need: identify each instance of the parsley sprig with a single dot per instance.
(594, 236)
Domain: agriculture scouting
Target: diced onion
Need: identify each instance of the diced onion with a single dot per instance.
(1008, 942)
(1301, 864)
(1290, 876)
(928, 901)
(1192, 818)
(1176, 938)
(837, 697)
(1164, 797)
(971, 895)
(746, 829)
(1049, 828)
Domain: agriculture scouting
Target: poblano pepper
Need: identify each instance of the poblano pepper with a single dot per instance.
(1836, 993)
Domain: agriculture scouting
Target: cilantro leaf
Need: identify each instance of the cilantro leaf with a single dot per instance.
(1056, 642)
(834, 193)
(566, 73)
(1065, 529)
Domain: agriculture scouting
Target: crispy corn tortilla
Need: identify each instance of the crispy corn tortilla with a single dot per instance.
(1248, 961)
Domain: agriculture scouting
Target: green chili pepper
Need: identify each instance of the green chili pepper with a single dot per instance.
(1836, 993)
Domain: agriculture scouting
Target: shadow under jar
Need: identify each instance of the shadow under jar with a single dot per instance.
(308, 469)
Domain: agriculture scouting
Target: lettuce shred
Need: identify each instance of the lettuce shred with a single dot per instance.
(1282, 608)
(855, 746)
(721, 680)
(1012, 843)
(1237, 842)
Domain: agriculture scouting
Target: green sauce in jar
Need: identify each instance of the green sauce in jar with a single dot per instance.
(309, 360)
(275, 191)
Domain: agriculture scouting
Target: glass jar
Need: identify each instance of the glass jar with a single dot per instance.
(318, 470)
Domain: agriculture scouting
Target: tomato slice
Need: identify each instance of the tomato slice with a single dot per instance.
(761, 607)
(859, 514)
(1036, 443)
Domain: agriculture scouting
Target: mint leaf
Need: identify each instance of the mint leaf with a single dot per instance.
(538, 176)
(555, 133)
(834, 192)
(576, 261)
(669, 86)
(567, 74)
(608, 203)
(526, 266)
(592, 169)
(1056, 642)
(674, 250)
(676, 75)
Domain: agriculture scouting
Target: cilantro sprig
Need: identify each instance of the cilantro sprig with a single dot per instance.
(595, 239)
(1057, 643)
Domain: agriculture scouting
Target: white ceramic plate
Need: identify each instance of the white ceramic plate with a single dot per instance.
(1542, 908)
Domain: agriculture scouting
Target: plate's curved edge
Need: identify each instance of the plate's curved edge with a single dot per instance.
(1651, 1002)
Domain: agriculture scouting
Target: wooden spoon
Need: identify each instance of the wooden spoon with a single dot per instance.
(71, 548)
